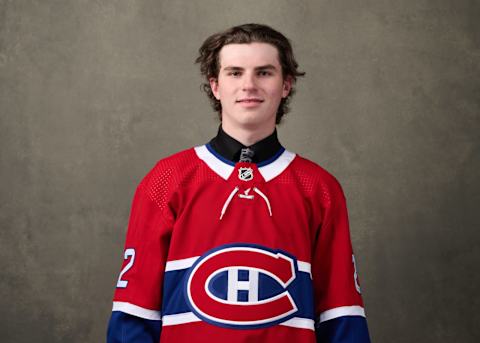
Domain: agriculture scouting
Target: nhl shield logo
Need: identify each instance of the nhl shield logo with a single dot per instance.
(245, 174)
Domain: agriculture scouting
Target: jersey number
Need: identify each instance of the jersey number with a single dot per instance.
(128, 253)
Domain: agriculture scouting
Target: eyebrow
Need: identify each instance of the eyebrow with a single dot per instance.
(264, 67)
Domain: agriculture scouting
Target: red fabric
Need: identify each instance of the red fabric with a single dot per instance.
(176, 215)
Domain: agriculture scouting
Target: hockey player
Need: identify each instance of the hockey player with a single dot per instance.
(240, 240)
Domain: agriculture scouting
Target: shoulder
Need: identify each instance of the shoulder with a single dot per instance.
(168, 174)
(173, 166)
(313, 170)
(315, 177)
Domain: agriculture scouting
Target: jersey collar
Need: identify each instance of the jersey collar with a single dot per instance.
(269, 168)
(229, 148)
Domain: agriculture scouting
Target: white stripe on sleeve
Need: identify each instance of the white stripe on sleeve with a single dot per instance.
(135, 310)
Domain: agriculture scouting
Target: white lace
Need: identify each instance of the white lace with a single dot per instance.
(245, 196)
(227, 202)
(256, 190)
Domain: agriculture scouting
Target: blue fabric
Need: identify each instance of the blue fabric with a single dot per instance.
(126, 328)
(348, 329)
(301, 291)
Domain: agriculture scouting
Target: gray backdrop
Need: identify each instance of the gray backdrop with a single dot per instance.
(93, 93)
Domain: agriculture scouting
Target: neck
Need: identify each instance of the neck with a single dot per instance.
(246, 136)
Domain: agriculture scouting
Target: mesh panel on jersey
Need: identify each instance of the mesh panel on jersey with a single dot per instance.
(180, 170)
(312, 179)
(160, 185)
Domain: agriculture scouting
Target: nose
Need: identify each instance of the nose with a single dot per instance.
(249, 82)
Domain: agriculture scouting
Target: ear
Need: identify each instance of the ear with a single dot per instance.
(214, 86)
(287, 86)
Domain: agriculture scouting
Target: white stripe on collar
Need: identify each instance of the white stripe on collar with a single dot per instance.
(275, 168)
(224, 170)
(221, 168)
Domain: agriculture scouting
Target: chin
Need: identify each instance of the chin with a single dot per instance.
(251, 119)
(254, 125)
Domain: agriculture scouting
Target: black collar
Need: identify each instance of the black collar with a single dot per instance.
(229, 148)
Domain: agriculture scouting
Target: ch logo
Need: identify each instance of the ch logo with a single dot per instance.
(245, 174)
(242, 286)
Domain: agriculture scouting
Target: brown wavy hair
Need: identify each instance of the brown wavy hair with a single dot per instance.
(244, 34)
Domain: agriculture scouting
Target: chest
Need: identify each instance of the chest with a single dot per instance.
(271, 214)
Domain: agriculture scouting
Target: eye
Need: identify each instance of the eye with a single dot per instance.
(264, 73)
(234, 73)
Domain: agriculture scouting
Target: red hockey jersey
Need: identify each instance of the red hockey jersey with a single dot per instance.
(238, 252)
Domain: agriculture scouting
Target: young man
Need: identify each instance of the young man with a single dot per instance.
(240, 240)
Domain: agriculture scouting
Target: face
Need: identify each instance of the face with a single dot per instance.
(250, 85)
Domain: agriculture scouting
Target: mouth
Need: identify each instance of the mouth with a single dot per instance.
(249, 100)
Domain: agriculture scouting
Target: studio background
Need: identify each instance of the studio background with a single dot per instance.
(93, 93)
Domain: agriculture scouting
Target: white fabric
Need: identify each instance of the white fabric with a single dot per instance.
(301, 323)
(342, 311)
(180, 318)
(305, 267)
(223, 169)
(180, 264)
(275, 168)
(135, 310)
(189, 317)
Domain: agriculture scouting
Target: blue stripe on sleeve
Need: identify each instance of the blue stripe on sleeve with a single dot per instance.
(125, 328)
(347, 329)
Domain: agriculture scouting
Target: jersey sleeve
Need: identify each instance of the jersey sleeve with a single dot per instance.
(338, 302)
(136, 315)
